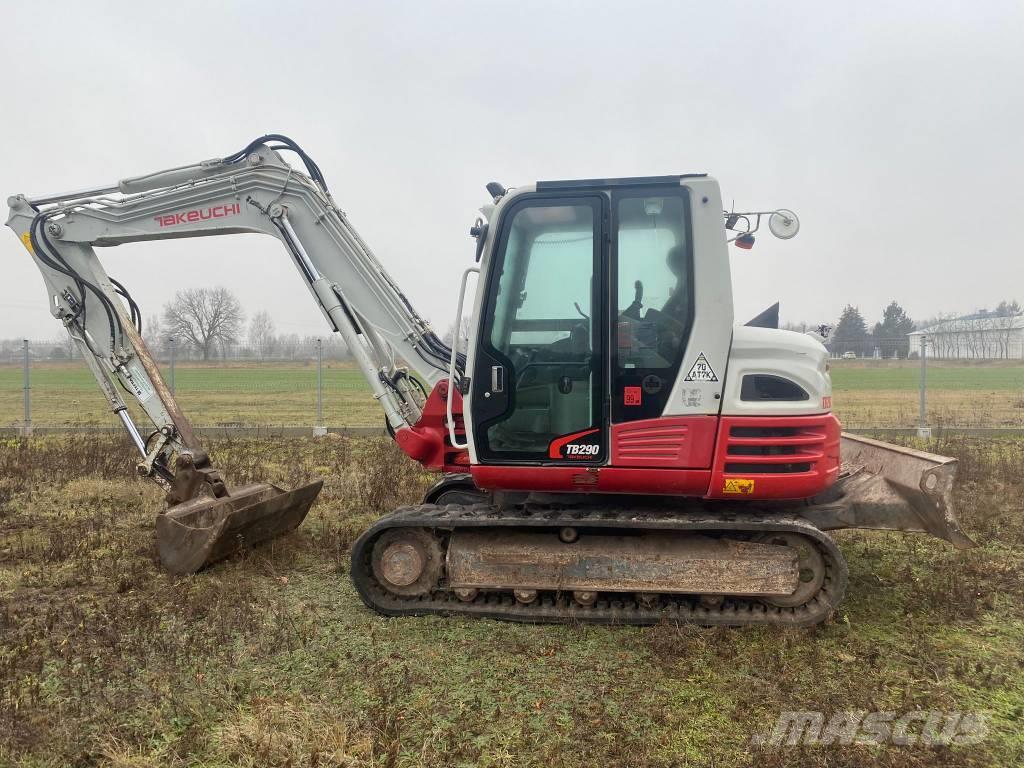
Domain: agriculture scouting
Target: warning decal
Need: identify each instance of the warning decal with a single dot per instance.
(701, 370)
(738, 485)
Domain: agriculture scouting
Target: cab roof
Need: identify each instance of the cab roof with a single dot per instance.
(626, 181)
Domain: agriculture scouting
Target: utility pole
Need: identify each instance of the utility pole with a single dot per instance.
(923, 430)
(319, 430)
(27, 423)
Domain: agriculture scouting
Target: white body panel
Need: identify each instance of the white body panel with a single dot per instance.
(713, 311)
(788, 355)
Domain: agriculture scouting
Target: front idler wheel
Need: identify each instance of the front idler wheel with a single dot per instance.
(408, 561)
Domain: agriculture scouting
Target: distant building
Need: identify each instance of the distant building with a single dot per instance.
(983, 336)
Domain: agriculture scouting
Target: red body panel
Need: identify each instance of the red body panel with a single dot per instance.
(428, 442)
(672, 442)
(745, 459)
(728, 457)
(775, 457)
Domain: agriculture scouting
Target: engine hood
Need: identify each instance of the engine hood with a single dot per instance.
(796, 357)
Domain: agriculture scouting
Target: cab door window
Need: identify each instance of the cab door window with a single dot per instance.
(542, 338)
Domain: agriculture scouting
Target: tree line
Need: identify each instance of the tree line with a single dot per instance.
(987, 333)
(209, 324)
(888, 336)
(202, 324)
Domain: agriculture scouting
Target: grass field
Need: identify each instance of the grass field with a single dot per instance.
(886, 393)
(269, 394)
(270, 659)
(866, 394)
(889, 375)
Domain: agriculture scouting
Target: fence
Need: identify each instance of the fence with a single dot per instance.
(310, 387)
(964, 345)
(284, 348)
(308, 390)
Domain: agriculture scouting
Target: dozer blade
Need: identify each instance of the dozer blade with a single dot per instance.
(889, 487)
(192, 535)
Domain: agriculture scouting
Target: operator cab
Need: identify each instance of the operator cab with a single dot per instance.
(585, 316)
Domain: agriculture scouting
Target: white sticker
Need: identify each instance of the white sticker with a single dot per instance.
(701, 370)
(139, 381)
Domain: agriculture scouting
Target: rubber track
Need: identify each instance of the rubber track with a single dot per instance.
(560, 608)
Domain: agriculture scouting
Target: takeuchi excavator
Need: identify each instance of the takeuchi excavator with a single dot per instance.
(612, 447)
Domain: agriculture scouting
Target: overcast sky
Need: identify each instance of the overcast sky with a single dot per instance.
(894, 132)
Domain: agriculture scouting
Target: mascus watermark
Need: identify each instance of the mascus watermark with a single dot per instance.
(924, 728)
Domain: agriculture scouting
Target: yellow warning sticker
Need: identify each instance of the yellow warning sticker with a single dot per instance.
(27, 240)
(738, 485)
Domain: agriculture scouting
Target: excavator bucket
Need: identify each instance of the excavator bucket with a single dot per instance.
(889, 487)
(203, 530)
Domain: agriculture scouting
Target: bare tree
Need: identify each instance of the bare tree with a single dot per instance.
(289, 344)
(980, 337)
(465, 329)
(262, 335)
(1009, 313)
(204, 318)
(153, 334)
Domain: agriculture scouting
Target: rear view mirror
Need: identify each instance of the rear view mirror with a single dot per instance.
(784, 224)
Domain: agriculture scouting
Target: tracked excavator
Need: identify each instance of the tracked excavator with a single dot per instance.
(611, 446)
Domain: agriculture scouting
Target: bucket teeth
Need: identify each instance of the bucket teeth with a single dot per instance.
(201, 531)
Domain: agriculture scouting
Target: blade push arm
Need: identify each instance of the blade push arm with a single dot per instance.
(252, 191)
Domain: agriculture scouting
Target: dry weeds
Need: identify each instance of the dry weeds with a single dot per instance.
(270, 659)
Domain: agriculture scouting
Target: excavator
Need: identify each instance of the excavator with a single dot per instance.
(611, 446)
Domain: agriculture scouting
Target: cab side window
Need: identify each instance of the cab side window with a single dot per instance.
(654, 294)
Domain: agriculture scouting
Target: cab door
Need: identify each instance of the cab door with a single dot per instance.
(539, 377)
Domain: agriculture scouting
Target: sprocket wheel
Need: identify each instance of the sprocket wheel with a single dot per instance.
(810, 565)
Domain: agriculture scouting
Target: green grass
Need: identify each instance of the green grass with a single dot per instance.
(886, 393)
(266, 378)
(940, 376)
(270, 659)
(269, 394)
